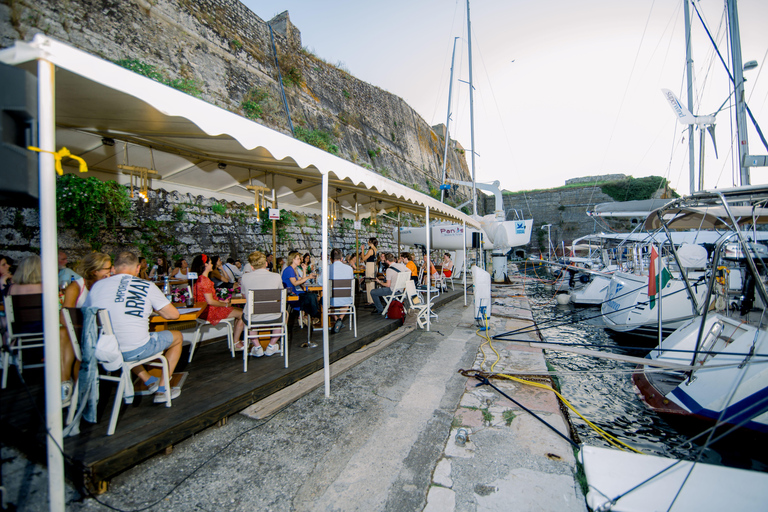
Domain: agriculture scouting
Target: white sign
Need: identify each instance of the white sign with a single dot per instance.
(191, 275)
(274, 214)
(358, 225)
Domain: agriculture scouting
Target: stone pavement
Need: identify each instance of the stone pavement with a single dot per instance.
(384, 440)
(511, 461)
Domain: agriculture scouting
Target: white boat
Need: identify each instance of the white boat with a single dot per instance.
(632, 482)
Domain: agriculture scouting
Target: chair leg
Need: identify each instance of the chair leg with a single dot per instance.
(73, 402)
(195, 341)
(118, 402)
(167, 375)
(6, 357)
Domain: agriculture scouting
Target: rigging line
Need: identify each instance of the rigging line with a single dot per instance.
(733, 428)
(537, 327)
(445, 62)
(730, 76)
(626, 90)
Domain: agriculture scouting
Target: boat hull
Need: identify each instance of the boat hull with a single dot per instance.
(715, 392)
(627, 306)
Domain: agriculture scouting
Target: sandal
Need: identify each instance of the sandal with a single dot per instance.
(310, 344)
(239, 346)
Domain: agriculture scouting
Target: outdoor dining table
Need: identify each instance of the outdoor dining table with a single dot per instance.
(158, 323)
(239, 299)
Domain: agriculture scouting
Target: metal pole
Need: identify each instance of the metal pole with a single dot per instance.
(50, 275)
(274, 228)
(326, 294)
(738, 88)
(448, 119)
(689, 73)
(464, 270)
(471, 114)
(398, 232)
(426, 270)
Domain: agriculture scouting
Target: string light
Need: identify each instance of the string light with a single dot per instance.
(259, 199)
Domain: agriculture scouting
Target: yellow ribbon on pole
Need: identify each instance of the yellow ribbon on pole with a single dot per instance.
(58, 155)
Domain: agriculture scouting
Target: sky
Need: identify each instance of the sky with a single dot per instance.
(563, 88)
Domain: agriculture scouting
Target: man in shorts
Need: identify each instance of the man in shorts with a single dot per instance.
(130, 301)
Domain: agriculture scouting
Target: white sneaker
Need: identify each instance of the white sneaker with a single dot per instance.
(272, 348)
(257, 351)
(160, 395)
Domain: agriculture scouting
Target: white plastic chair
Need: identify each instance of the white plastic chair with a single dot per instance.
(124, 379)
(416, 303)
(340, 289)
(21, 310)
(229, 322)
(398, 291)
(259, 302)
(73, 326)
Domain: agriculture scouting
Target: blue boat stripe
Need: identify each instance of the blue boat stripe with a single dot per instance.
(742, 409)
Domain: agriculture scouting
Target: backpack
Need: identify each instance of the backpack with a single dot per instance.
(396, 311)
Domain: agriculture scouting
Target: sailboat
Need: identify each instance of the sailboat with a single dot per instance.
(497, 235)
(720, 353)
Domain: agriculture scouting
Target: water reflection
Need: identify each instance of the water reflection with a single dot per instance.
(602, 390)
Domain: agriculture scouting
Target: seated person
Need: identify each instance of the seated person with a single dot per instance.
(159, 269)
(270, 262)
(231, 270)
(406, 259)
(447, 265)
(94, 267)
(387, 283)
(217, 310)
(65, 273)
(217, 274)
(5, 274)
(339, 270)
(432, 271)
(143, 268)
(181, 269)
(262, 279)
(293, 283)
(130, 319)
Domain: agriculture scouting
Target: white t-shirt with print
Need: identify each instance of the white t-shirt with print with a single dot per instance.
(130, 301)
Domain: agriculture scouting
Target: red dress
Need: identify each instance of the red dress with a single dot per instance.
(213, 314)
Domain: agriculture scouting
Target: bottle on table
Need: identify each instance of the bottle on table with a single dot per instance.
(167, 289)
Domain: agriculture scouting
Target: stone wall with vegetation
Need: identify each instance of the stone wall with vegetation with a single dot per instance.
(173, 224)
(220, 51)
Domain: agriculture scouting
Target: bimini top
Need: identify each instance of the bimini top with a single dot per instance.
(713, 210)
(197, 147)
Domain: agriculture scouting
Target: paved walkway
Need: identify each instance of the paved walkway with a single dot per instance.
(384, 440)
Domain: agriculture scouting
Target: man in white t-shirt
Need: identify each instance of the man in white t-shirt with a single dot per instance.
(130, 301)
(339, 270)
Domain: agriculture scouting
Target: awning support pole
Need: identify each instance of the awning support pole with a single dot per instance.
(325, 320)
(274, 229)
(464, 264)
(399, 249)
(427, 268)
(50, 275)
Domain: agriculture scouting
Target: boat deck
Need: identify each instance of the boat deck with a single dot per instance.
(215, 388)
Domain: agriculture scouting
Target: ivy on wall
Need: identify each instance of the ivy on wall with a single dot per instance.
(88, 205)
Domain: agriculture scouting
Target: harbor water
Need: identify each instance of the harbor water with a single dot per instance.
(602, 389)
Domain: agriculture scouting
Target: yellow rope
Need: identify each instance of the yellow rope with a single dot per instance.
(613, 441)
(58, 155)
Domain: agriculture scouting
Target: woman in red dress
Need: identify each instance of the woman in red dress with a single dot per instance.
(217, 310)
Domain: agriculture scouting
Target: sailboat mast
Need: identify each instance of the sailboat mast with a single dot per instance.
(738, 87)
(448, 120)
(471, 112)
(689, 73)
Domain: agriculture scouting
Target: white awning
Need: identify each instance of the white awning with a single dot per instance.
(190, 138)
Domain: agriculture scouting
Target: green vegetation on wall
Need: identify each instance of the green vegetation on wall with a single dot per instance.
(317, 138)
(634, 189)
(187, 85)
(88, 205)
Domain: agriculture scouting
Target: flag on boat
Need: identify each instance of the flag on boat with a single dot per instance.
(658, 276)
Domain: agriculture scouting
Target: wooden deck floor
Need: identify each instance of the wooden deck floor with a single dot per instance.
(215, 388)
